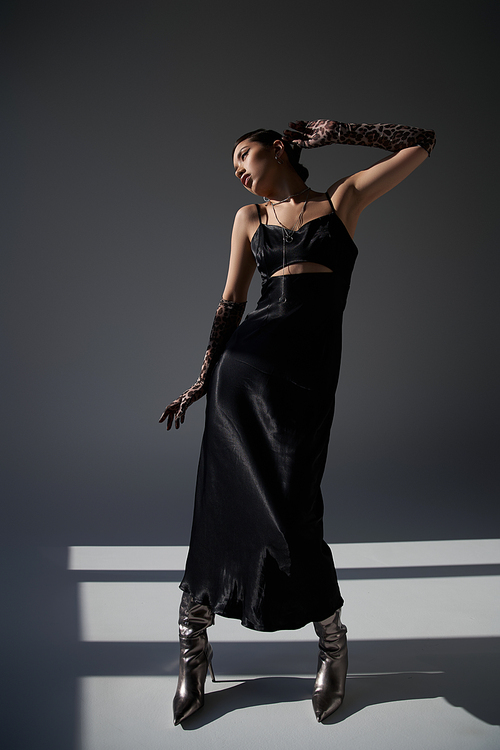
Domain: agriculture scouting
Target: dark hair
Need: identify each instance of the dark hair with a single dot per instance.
(267, 138)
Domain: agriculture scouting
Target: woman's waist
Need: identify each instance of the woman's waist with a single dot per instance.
(311, 289)
(300, 267)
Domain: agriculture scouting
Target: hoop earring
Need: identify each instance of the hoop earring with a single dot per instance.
(278, 160)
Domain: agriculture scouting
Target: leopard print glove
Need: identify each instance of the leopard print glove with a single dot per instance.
(226, 321)
(317, 133)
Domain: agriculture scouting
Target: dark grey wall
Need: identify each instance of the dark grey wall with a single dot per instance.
(118, 203)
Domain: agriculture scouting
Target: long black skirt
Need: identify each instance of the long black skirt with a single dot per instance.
(257, 551)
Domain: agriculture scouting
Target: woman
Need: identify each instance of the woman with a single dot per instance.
(257, 551)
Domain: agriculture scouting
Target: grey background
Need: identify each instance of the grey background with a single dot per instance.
(118, 197)
(118, 200)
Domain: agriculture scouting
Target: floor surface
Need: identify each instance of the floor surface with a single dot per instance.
(93, 663)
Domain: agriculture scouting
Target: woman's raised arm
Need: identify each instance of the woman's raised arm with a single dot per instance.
(371, 183)
(392, 137)
(410, 145)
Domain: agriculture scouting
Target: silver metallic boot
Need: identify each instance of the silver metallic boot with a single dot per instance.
(329, 687)
(195, 657)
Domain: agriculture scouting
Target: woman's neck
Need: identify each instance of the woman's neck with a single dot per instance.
(288, 187)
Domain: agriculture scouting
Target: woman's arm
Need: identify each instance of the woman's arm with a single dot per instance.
(371, 183)
(389, 136)
(227, 317)
(352, 194)
(241, 261)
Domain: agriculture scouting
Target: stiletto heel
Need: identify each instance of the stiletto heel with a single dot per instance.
(195, 658)
(329, 687)
(211, 670)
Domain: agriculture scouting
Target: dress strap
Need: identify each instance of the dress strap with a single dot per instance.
(258, 213)
(330, 202)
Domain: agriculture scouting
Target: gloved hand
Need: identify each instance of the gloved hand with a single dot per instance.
(227, 319)
(391, 137)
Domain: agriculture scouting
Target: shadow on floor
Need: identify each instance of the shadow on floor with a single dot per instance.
(465, 672)
(43, 660)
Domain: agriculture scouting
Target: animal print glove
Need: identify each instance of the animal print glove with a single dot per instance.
(317, 133)
(226, 321)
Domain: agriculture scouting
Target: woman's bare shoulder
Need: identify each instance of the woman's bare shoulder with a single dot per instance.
(248, 212)
(247, 219)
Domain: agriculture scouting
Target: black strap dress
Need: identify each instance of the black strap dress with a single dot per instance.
(257, 551)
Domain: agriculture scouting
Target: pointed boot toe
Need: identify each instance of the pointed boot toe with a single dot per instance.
(329, 687)
(195, 659)
(325, 708)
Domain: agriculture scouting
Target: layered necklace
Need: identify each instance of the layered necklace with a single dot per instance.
(287, 233)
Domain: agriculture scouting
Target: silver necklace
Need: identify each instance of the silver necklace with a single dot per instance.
(284, 200)
(287, 236)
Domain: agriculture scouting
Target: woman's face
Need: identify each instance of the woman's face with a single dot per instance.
(254, 166)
